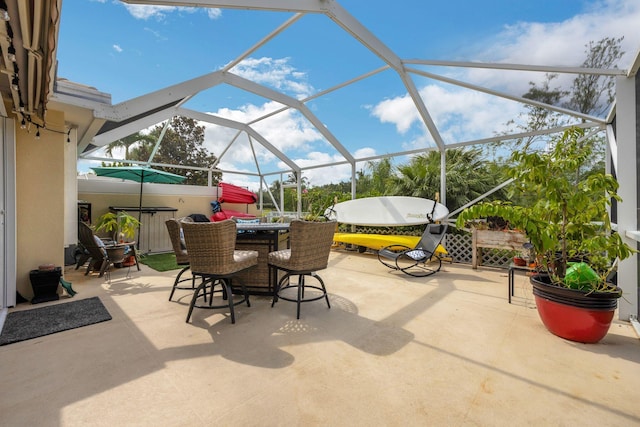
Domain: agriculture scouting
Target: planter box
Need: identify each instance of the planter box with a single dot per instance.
(45, 284)
(495, 239)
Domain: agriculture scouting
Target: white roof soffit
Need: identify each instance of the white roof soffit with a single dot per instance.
(113, 122)
(171, 95)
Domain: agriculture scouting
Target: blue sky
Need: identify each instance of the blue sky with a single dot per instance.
(128, 51)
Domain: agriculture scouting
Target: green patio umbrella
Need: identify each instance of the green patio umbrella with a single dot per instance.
(139, 174)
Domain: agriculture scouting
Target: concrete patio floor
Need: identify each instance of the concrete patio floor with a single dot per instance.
(392, 350)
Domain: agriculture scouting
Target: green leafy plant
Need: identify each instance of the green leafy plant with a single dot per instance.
(118, 222)
(566, 218)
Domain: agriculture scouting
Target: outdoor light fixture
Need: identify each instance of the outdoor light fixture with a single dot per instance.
(11, 53)
(4, 15)
(15, 82)
(23, 123)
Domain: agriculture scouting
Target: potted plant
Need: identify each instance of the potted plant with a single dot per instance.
(121, 226)
(117, 223)
(567, 222)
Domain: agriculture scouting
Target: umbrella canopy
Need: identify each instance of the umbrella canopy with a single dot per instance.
(234, 194)
(139, 174)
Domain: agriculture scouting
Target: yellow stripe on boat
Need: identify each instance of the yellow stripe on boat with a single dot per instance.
(379, 241)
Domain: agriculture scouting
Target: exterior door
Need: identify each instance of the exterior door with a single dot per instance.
(7, 214)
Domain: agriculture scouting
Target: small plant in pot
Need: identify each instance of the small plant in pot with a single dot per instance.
(116, 223)
(568, 225)
(121, 227)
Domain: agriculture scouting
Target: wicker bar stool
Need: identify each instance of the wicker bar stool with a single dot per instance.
(212, 256)
(182, 257)
(310, 245)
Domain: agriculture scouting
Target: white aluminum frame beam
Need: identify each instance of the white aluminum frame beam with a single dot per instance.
(220, 121)
(518, 67)
(499, 94)
(250, 86)
(623, 150)
(627, 176)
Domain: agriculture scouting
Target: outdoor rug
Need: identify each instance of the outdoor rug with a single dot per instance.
(37, 322)
(160, 262)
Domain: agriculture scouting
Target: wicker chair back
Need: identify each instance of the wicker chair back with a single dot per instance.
(310, 244)
(173, 227)
(211, 248)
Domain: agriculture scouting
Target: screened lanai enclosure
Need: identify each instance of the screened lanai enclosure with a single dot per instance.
(403, 103)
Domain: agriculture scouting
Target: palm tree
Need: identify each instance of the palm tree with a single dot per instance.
(127, 142)
(468, 176)
(376, 183)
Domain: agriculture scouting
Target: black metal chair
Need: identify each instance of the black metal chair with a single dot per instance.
(420, 261)
(182, 257)
(310, 245)
(212, 256)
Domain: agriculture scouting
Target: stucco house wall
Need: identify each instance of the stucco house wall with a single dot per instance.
(40, 189)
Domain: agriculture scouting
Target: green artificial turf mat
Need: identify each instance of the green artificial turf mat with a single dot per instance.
(160, 262)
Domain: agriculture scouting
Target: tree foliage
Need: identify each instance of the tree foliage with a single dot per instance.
(126, 143)
(182, 144)
(378, 181)
(315, 200)
(567, 217)
(467, 174)
(590, 93)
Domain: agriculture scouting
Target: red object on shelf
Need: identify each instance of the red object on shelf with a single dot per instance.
(520, 262)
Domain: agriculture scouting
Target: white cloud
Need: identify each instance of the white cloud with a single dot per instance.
(117, 48)
(289, 133)
(155, 33)
(276, 73)
(286, 131)
(330, 174)
(563, 43)
(465, 115)
(363, 153)
(560, 43)
(145, 12)
(459, 114)
(399, 110)
(159, 12)
(325, 175)
(214, 13)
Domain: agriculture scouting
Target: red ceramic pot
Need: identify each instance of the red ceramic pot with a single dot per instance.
(573, 314)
